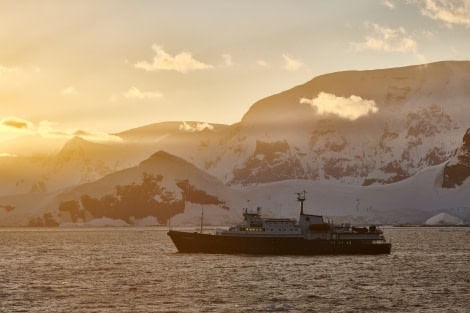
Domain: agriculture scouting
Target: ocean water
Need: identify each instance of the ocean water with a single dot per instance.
(139, 270)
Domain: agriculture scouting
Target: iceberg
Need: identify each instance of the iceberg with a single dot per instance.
(443, 219)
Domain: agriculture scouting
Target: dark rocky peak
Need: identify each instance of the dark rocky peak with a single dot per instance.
(466, 139)
(457, 169)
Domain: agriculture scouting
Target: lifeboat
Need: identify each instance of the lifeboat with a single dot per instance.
(360, 230)
(319, 228)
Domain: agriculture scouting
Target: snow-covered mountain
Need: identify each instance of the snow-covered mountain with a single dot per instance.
(351, 139)
(413, 117)
(166, 187)
(160, 187)
(78, 161)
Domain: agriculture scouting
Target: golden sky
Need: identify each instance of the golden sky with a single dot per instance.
(101, 66)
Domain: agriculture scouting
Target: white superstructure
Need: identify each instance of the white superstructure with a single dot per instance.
(308, 226)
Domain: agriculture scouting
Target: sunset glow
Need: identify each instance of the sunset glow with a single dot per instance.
(99, 67)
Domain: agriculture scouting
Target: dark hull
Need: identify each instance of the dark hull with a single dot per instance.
(204, 243)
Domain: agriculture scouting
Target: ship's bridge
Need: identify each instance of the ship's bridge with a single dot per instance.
(307, 219)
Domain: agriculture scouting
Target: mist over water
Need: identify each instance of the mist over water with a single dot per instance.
(139, 270)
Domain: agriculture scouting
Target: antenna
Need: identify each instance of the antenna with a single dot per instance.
(301, 199)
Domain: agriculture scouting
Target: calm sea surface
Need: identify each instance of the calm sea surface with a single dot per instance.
(139, 270)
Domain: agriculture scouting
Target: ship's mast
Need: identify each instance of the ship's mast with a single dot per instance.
(202, 219)
(301, 199)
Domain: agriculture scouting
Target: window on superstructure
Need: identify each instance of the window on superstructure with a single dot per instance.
(253, 229)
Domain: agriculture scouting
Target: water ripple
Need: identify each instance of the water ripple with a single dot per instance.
(138, 270)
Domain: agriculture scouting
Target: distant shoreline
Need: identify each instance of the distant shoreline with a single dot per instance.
(423, 225)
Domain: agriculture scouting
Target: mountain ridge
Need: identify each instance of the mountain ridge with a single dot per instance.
(411, 119)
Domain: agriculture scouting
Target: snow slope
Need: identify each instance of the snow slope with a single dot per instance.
(443, 219)
(411, 201)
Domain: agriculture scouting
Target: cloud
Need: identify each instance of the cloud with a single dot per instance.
(389, 4)
(449, 11)
(8, 155)
(262, 63)
(96, 136)
(182, 62)
(4, 69)
(50, 130)
(69, 91)
(427, 34)
(291, 64)
(12, 127)
(16, 123)
(135, 93)
(198, 127)
(227, 59)
(387, 39)
(349, 108)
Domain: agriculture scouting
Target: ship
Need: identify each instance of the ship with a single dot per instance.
(308, 235)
